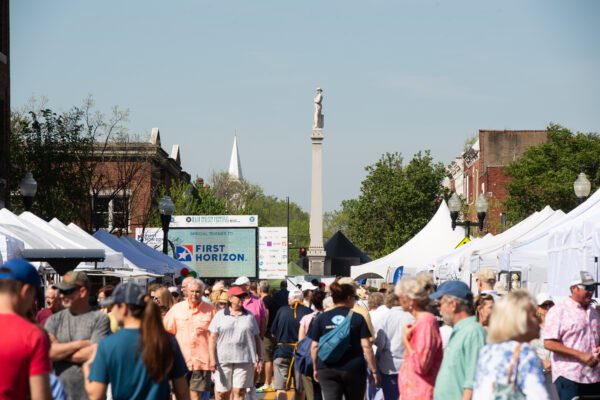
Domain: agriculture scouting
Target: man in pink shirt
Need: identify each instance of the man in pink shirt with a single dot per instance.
(188, 321)
(254, 304)
(53, 305)
(572, 333)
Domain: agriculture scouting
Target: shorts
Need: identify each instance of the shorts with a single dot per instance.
(268, 348)
(281, 369)
(199, 381)
(239, 376)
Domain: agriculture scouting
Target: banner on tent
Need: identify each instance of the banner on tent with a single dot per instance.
(398, 274)
(272, 252)
(465, 240)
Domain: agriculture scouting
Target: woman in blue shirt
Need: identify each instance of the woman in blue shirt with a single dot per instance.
(140, 359)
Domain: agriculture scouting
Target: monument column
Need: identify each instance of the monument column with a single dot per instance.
(316, 251)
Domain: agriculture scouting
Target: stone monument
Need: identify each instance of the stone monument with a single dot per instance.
(316, 251)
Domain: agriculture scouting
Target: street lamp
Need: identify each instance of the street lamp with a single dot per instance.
(166, 208)
(28, 187)
(455, 204)
(582, 187)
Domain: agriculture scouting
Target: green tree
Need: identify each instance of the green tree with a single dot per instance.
(395, 203)
(544, 175)
(189, 199)
(55, 148)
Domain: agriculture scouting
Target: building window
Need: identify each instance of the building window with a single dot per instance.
(112, 212)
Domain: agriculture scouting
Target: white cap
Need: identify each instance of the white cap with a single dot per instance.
(242, 280)
(173, 289)
(582, 278)
(308, 286)
(543, 297)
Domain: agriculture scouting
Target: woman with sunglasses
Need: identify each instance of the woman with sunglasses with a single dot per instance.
(141, 358)
(235, 344)
(164, 300)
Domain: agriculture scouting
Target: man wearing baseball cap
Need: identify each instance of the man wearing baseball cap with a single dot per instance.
(75, 332)
(486, 279)
(572, 333)
(24, 347)
(456, 377)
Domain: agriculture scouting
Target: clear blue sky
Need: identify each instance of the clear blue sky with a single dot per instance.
(397, 76)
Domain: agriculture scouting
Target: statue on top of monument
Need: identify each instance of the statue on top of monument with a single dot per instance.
(318, 117)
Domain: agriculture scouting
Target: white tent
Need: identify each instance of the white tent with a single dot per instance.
(11, 225)
(572, 247)
(532, 254)
(436, 238)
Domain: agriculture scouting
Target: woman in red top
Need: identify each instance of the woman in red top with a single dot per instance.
(422, 340)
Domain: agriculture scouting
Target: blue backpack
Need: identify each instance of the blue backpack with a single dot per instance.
(334, 343)
(303, 358)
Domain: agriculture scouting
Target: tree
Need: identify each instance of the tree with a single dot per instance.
(544, 175)
(55, 148)
(395, 203)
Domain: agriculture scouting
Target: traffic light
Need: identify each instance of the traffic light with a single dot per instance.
(302, 252)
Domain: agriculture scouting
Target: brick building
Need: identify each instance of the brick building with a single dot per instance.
(126, 180)
(4, 101)
(480, 169)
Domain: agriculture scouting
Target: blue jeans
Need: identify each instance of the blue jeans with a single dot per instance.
(389, 385)
(568, 389)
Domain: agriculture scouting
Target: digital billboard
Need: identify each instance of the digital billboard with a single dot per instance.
(217, 252)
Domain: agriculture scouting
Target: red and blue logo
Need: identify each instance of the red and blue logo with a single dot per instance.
(184, 252)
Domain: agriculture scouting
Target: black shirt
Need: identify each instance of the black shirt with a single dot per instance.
(272, 306)
(281, 298)
(353, 359)
(286, 327)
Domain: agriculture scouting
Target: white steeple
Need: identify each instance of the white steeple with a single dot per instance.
(235, 166)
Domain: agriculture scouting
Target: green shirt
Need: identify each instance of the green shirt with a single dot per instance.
(460, 360)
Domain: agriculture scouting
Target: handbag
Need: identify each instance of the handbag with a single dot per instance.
(334, 343)
(510, 390)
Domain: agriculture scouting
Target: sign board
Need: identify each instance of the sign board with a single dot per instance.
(213, 221)
(272, 252)
(215, 246)
(465, 240)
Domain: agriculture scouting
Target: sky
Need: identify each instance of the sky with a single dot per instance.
(397, 76)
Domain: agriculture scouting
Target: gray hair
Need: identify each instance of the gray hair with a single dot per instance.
(195, 282)
(462, 304)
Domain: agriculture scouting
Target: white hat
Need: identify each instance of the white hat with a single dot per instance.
(242, 280)
(173, 289)
(543, 297)
(308, 286)
(582, 278)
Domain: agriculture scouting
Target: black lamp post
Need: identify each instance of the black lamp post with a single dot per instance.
(166, 208)
(582, 188)
(454, 204)
(28, 189)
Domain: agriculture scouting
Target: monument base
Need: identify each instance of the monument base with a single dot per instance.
(316, 262)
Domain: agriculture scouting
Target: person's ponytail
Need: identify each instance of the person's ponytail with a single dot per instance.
(157, 352)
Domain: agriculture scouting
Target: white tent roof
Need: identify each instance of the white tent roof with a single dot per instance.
(436, 238)
(12, 225)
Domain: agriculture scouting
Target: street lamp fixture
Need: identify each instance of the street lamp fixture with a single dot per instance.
(582, 187)
(28, 188)
(455, 204)
(166, 208)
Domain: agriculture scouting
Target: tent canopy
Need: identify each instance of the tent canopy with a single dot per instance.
(340, 246)
(436, 238)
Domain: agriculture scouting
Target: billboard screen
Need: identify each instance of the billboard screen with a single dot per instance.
(217, 252)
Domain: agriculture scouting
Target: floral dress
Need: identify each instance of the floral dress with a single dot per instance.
(493, 364)
(420, 366)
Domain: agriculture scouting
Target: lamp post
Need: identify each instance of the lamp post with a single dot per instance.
(455, 204)
(166, 208)
(582, 187)
(28, 187)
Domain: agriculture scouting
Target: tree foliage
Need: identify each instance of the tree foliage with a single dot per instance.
(544, 175)
(395, 203)
(55, 148)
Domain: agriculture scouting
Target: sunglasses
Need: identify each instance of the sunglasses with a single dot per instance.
(68, 292)
(587, 288)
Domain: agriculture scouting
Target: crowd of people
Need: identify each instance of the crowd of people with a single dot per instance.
(412, 340)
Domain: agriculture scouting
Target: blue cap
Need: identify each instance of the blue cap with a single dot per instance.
(453, 288)
(22, 271)
(126, 293)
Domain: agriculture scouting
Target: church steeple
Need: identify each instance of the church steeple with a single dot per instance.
(235, 166)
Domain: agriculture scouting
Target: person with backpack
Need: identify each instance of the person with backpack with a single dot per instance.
(140, 359)
(341, 349)
(312, 389)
